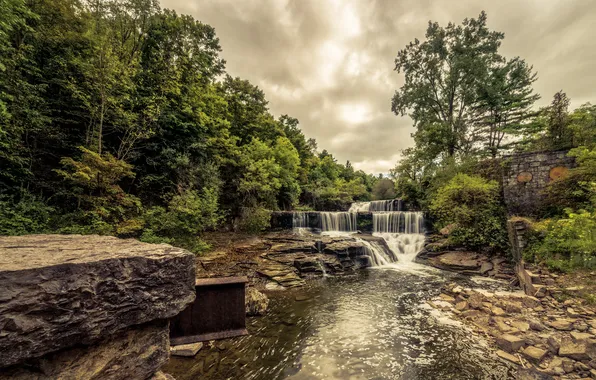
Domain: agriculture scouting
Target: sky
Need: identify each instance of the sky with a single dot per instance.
(329, 63)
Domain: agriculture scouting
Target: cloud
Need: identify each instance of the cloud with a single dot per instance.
(329, 63)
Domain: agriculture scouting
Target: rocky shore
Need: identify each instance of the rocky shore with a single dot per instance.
(547, 338)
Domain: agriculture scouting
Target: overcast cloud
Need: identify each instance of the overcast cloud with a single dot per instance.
(329, 63)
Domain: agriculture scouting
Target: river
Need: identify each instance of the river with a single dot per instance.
(372, 325)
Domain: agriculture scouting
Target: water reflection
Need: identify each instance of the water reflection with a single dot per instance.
(373, 325)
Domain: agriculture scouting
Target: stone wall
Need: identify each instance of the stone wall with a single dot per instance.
(88, 307)
(526, 175)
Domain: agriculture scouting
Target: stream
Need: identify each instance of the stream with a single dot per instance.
(372, 325)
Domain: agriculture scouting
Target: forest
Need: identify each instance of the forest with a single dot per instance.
(471, 108)
(118, 117)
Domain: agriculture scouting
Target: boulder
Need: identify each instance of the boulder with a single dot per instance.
(137, 353)
(562, 324)
(507, 356)
(256, 302)
(59, 291)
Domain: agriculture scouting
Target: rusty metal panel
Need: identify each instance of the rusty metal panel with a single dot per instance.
(218, 312)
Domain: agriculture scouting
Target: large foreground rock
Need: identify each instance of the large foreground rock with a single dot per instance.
(137, 353)
(57, 291)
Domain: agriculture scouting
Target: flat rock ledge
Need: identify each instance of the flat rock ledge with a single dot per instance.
(64, 291)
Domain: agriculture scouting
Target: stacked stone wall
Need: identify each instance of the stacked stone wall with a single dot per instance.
(526, 175)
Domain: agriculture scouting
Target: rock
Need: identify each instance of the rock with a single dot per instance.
(531, 374)
(521, 326)
(510, 343)
(534, 354)
(475, 300)
(137, 353)
(498, 311)
(507, 356)
(541, 291)
(62, 290)
(446, 298)
(562, 324)
(162, 376)
(579, 337)
(568, 366)
(530, 302)
(554, 344)
(486, 267)
(461, 306)
(256, 302)
(186, 350)
(457, 261)
(537, 326)
(301, 297)
(572, 313)
(593, 373)
(592, 363)
(572, 350)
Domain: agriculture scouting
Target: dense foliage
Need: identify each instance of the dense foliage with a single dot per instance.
(117, 117)
(470, 106)
(567, 239)
(469, 206)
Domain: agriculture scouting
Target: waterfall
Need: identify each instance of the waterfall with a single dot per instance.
(404, 246)
(338, 221)
(387, 205)
(300, 219)
(377, 253)
(409, 222)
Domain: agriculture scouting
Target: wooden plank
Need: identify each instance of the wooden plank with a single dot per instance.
(220, 281)
(208, 336)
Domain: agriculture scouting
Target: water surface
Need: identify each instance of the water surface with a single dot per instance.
(373, 325)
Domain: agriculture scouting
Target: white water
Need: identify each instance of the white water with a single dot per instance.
(338, 221)
(387, 205)
(408, 222)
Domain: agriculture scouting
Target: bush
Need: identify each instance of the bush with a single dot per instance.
(186, 216)
(565, 243)
(472, 205)
(254, 220)
(28, 215)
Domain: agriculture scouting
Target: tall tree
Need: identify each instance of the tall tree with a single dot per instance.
(442, 77)
(504, 104)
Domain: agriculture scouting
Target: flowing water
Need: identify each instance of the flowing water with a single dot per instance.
(375, 324)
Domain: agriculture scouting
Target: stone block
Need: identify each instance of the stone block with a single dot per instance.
(186, 350)
(58, 291)
(136, 353)
(534, 354)
(510, 343)
(572, 350)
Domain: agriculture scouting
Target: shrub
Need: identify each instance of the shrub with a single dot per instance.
(565, 243)
(28, 215)
(254, 220)
(186, 216)
(472, 205)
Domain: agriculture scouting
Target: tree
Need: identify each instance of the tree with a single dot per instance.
(384, 189)
(558, 121)
(442, 78)
(505, 99)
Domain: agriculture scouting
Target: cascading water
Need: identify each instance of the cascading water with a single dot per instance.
(339, 221)
(403, 231)
(387, 205)
(409, 222)
(377, 253)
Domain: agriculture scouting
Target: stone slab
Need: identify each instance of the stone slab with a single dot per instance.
(136, 353)
(57, 291)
